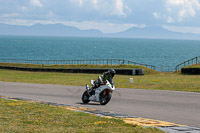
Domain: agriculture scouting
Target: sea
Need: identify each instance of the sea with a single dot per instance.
(157, 52)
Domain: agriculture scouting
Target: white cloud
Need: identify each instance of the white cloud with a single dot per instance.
(80, 2)
(181, 9)
(119, 8)
(7, 15)
(84, 2)
(183, 29)
(23, 8)
(156, 15)
(108, 7)
(36, 3)
(170, 20)
(95, 2)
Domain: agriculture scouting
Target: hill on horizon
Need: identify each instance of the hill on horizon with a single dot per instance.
(156, 32)
(46, 30)
(70, 31)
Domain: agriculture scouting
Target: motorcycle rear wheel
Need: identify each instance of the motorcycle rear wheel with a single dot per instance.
(85, 97)
(104, 99)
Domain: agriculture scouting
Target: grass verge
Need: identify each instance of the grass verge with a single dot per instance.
(159, 81)
(193, 66)
(23, 116)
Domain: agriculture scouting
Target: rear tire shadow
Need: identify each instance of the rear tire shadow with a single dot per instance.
(96, 104)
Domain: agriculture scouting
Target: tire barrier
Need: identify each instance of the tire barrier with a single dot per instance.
(192, 71)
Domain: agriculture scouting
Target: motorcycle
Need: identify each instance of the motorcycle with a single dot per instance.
(101, 94)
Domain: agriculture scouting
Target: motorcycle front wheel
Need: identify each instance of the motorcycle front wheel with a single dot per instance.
(105, 97)
(85, 97)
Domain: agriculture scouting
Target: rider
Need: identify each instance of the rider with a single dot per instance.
(101, 79)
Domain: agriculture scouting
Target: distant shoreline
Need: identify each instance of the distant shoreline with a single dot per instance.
(45, 36)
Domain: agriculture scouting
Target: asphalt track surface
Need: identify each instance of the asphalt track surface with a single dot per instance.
(171, 106)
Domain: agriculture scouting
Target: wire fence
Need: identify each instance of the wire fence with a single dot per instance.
(77, 62)
(192, 61)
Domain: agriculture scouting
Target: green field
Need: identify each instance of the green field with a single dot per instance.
(22, 117)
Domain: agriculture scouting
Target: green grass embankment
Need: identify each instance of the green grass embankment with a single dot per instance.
(193, 66)
(147, 70)
(22, 117)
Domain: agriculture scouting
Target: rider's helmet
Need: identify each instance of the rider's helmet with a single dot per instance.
(112, 72)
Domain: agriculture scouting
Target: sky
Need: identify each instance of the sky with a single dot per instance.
(108, 16)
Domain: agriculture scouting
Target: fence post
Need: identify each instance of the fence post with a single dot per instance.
(196, 60)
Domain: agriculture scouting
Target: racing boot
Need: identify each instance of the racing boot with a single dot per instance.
(87, 87)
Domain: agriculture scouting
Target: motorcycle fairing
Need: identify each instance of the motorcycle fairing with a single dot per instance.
(99, 90)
